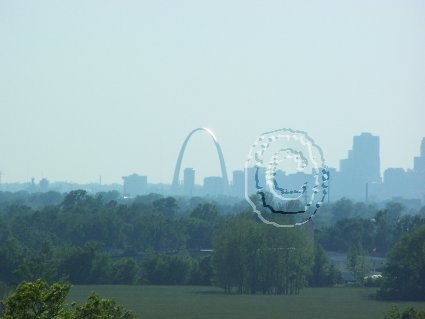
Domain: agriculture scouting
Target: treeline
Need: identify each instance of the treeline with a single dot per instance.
(252, 257)
(404, 274)
(104, 239)
(96, 240)
(99, 240)
(33, 200)
(376, 233)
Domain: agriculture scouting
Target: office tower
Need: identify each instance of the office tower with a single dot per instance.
(188, 181)
(135, 184)
(238, 183)
(362, 166)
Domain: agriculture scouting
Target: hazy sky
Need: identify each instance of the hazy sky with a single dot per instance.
(109, 88)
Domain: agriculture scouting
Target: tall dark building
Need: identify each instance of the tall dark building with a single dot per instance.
(363, 160)
(238, 183)
(362, 166)
(188, 181)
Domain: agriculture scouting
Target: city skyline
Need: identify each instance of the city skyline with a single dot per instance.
(110, 88)
(358, 178)
(178, 175)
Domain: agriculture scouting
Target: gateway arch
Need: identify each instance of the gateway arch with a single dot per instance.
(183, 148)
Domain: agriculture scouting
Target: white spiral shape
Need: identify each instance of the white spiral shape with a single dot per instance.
(292, 152)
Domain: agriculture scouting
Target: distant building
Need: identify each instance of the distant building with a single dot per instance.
(395, 182)
(189, 181)
(408, 185)
(419, 162)
(213, 185)
(135, 184)
(238, 183)
(295, 181)
(361, 167)
(32, 187)
(254, 177)
(44, 185)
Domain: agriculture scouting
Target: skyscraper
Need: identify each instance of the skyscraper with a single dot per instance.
(238, 183)
(366, 157)
(188, 181)
(362, 166)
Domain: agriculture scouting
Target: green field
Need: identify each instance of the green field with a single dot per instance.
(207, 302)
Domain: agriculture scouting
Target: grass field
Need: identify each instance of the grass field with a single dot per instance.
(158, 302)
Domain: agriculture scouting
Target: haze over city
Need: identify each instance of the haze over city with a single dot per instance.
(212, 159)
(111, 88)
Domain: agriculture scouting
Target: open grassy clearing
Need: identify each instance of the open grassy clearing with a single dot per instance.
(158, 302)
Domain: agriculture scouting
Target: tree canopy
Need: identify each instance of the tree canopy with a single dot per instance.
(404, 274)
(39, 300)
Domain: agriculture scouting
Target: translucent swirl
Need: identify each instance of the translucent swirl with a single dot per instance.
(286, 179)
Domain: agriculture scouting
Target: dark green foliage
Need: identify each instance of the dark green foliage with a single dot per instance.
(74, 198)
(105, 239)
(166, 206)
(348, 233)
(4, 290)
(204, 220)
(39, 300)
(162, 269)
(165, 269)
(125, 271)
(85, 265)
(76, 239)
(377, 234)
(409, 313)
(33, 200)
(404, 275)
(206, 212)
(250, 257)
(201, 271)
(12, 256)
(99, 308)
(323, 273)
(36, 300)
(41, 264)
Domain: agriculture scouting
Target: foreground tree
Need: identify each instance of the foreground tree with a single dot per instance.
(99, 308)
(409, 313)
(404, 275)
(36, 300)
(39, 300)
